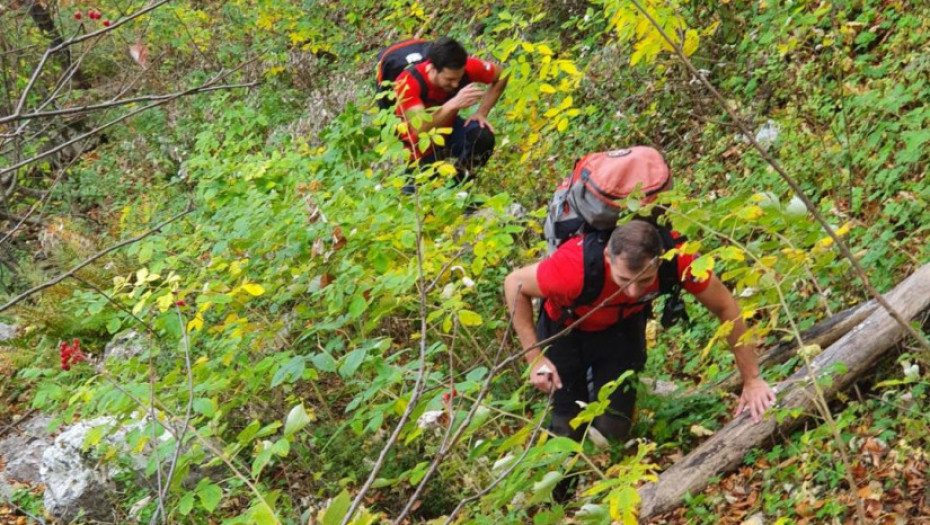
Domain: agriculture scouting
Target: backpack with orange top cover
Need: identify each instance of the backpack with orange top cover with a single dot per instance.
(589, 203)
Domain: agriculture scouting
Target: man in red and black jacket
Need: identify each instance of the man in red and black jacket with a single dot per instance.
(612, 339)
(450, 81)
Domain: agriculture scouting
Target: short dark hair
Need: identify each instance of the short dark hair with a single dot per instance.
(446, 53)
(636, 242)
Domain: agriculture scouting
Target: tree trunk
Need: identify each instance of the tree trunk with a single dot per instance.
(857, 352)
(823, 334)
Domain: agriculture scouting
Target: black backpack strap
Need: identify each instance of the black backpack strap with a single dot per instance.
(669, 283)
(593, 246)
(424, 87)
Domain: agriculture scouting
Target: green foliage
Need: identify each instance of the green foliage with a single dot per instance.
(304, 286)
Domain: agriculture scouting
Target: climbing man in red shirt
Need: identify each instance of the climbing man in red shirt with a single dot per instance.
(446, 82)
(612, 339)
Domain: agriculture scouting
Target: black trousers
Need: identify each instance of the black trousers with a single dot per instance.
(603, 355)
(467, 147)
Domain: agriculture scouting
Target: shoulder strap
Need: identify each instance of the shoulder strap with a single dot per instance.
(668, 270)
(424, 87)
(593, 256)
(670, 284)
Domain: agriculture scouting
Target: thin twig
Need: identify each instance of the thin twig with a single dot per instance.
(458, 508)
(111, 104)
(179, 439)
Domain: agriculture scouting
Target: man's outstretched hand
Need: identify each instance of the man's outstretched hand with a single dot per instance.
(544, 376)
(757, 397)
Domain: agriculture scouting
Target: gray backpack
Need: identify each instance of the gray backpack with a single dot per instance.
(587, 200)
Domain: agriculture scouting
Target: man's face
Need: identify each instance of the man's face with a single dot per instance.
(445, 79)
(634, 284)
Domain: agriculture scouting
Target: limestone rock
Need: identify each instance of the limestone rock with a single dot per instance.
(7, 332)
(22, 450)
(76, 483)
(125, 346)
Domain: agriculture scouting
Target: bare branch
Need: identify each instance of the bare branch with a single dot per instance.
(71, 41)
(206, 87)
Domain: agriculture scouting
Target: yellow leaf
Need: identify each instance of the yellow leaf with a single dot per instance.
(253, 289)
(544, 49)
(702, 267)
(691, 42)
(195, 324)
(546, 88)
(750, 213)
(446, 170)
(569, 67)
(844, 229)
(562, 125)
(469, 318)
(164, 302)
(732, 253)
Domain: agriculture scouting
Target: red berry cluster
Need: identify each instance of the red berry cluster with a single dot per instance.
(447, 397)
(71, 354)
(93, 14)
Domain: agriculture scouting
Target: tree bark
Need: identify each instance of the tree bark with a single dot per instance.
(844, 361)
(823, 334)
(44, 21)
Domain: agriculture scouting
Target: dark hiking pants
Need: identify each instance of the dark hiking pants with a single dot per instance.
(601, 357)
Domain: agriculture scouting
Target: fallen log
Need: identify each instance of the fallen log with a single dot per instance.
(857, 351)
(822, 334)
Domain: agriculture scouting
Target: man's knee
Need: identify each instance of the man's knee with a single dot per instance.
(615, 427)
(559, 425)
(481, 143)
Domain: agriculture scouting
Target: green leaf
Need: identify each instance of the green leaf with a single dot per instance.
(542, 489)
(562, 444)
(205, 406)
(357, 306)
(248, 433)
(324, 362)
(351, 362)
(263, 515)
(297, 419)
(337, 509)
(290, 372)
(113, 325)
(210, 495)
(186, 503)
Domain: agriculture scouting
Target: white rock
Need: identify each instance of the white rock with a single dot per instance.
(22, 450)
(7, 332)
(767, 134)
(125, 346)
(796, 207)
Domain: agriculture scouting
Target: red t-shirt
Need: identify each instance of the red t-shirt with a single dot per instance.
(561, 280)
(408, 89)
